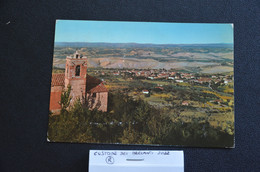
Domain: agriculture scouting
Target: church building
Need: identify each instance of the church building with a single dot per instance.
(88, 89)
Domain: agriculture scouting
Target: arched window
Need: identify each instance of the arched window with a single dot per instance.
(77, 70)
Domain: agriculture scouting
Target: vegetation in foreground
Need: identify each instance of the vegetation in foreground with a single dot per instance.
(131, 122)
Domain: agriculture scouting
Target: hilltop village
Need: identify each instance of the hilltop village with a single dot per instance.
(163, 74)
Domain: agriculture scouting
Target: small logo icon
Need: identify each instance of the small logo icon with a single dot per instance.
(110, 160)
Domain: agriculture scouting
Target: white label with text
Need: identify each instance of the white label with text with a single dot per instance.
(136, 160)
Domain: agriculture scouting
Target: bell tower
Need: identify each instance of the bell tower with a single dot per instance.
(75, 76)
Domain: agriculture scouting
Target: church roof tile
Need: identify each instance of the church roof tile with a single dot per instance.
(95, 85)
(57, 79)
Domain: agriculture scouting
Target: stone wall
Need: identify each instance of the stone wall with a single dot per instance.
(97, 100)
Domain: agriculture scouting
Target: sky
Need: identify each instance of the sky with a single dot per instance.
(142, 32)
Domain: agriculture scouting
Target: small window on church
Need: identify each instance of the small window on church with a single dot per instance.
(94, 95)
(77, 70)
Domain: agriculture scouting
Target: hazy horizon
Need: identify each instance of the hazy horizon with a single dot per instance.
(140, 43)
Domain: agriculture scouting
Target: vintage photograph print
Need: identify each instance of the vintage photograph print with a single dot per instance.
(149, 83)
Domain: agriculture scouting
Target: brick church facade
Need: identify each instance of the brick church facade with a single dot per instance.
(88, 89)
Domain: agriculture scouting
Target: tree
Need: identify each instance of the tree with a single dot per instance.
(65, 99)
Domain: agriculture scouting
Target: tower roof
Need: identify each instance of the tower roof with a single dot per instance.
(76, 55)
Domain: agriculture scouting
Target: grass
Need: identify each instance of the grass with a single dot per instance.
(185, 84)
(163, 95)
(157, 82)
(225, 98)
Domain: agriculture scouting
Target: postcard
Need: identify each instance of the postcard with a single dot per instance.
(149, 83)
